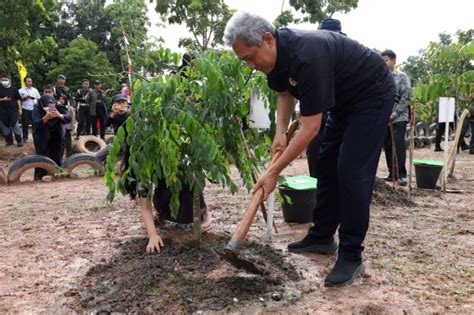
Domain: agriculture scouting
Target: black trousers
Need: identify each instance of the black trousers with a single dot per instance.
(26, 120)
(67, 143)
(440, 132)
(53, 150)
(100, 117)
(312, 150)
(10, 127)
(348, 162)
(399, 130)
(83, 120)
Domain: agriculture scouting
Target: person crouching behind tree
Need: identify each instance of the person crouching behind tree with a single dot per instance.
(48, 117)
(161, 202)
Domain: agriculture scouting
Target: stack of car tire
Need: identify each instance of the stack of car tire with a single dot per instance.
(87, 157)
(425, 134)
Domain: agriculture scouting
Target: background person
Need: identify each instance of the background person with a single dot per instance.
(83, 110)
(10, 109)
(48, 117)
(398, 121)
(29, 97)
(96, 99)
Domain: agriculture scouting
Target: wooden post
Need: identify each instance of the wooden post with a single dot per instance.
(197, 216)
(452, 154)
(412, 145)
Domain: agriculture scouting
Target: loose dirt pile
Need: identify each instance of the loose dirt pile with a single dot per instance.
(183, 278)
(386, 195)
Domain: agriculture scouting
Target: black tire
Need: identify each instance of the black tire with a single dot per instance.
(425, 140)
(3, 177)
(433, 128)
(83, 159)
(84, 140)
(102, 154)
(29, 162)
(422, 129)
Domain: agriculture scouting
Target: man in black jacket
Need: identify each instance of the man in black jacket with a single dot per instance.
(83, 109)
(97, 100)
(10, 108)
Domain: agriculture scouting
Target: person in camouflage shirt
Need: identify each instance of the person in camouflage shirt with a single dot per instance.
(398, 120)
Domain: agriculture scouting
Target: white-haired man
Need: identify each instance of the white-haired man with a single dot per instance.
(325, 71)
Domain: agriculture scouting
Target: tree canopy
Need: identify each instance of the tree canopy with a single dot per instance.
(205, 19)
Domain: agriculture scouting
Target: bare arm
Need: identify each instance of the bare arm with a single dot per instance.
(155, 242)
(285, 108)
(310, 126)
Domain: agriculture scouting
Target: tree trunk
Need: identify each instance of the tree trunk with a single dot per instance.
(197, 216)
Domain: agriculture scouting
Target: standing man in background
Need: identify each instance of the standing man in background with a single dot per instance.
(62, 89)
(97, 101)
(398, 121)
(10, 109)
(83, 110)
(29, 97)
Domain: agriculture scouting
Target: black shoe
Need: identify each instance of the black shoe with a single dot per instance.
(311, 244)
(464, 146)
(402, 181)
(20, 144)
(389, 178)
(25, 141)
(438, 149)
(8, 144)
(344, 272)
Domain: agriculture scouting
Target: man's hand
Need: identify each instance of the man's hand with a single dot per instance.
(279, 143)
(268, 182)
(391, 119)
(154, 244)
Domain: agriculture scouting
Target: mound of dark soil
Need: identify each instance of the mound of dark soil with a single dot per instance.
(182, 278)
(386, 195)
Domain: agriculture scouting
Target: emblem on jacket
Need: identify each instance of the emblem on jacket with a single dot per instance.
(292, 81)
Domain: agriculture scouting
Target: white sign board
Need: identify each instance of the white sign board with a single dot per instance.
(446, 107)
(258, 112)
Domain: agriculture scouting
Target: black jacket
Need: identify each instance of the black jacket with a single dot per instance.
(41, 131)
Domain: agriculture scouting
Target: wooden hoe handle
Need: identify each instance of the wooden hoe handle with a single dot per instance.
(244, 225)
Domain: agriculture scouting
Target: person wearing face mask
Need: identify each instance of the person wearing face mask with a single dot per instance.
(48, 117)
(10, 108)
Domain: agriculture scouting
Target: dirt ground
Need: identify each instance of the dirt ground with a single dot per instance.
(64, 249)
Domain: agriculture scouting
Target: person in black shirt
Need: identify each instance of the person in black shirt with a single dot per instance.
(83, 110)
(48, 117)
(10, 108)
(325, 71)
(312, 150)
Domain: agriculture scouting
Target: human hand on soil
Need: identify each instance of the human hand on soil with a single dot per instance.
(268, 182)
(154, 244)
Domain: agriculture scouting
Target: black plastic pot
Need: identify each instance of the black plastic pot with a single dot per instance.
(427, 175)
(301, 206)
